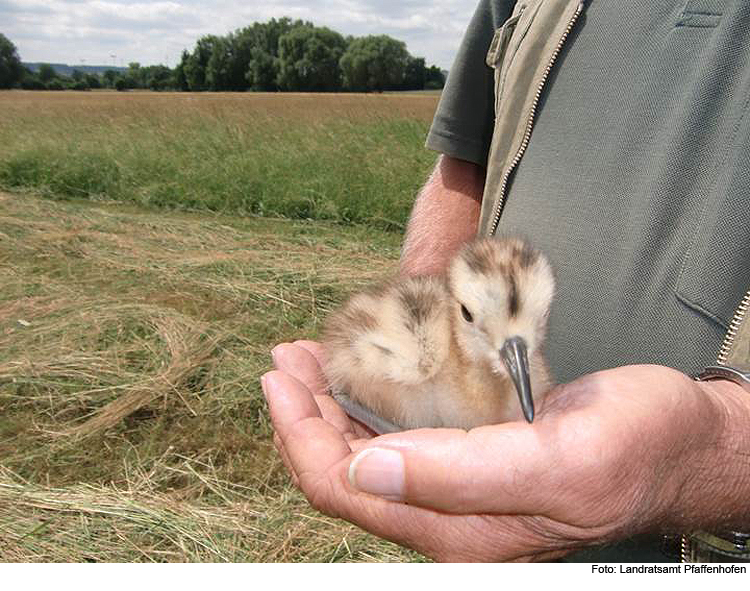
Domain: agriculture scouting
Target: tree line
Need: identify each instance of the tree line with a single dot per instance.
(279, 55)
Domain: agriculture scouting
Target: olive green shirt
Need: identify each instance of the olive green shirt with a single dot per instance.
(636, 180)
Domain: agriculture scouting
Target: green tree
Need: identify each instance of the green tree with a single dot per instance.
(180, 79)
(135, 76)
(268, 34)
(228, 63)
(30, 81)
(435, 78)
(286, 54)
(415, 74)
(93, 81)
(262, 71)
(47, 73)
(197, 63)
(309, 59)
(218, 66)
(11, 71)
(110, 77)
(374, 63)
(158, 77)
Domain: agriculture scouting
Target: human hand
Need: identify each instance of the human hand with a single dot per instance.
(613, 454)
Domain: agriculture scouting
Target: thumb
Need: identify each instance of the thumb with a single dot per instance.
(499, 469)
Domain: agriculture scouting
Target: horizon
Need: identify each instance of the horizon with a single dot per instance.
(117, 32)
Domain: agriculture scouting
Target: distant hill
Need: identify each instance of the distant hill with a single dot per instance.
(66, 70)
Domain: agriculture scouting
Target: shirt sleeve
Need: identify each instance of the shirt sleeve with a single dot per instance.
(463, 123)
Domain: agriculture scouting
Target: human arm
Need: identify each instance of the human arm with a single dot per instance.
(445, 215)
(616, 453)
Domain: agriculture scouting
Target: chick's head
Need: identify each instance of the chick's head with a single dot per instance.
(500, 289)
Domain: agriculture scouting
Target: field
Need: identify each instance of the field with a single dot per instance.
(153, 248)
(348, 158)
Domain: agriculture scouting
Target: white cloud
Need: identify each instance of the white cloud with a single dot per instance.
(138, 12)
(91, 31)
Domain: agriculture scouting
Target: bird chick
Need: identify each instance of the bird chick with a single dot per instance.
(457, 350)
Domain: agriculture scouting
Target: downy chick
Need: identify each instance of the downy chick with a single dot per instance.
(451, 351)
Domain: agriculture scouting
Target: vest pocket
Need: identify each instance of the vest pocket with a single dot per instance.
(715, 273)
(701, 13)
(499, 43)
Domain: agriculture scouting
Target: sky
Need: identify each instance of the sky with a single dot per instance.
(117, 32)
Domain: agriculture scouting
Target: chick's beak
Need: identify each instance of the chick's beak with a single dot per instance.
(515, 356)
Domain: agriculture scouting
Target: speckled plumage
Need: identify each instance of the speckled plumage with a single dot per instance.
(409, 352)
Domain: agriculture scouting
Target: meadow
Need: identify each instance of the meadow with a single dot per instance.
(153, 248)
(339, 157)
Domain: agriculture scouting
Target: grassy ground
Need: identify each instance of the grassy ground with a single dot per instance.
(350, 158)
(132, 334)
(131, 422)
(132, 426)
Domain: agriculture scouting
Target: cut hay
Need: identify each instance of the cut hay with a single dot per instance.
(132, 426)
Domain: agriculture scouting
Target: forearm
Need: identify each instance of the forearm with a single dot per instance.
(445, 215)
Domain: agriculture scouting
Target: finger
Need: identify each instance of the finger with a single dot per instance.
(318, 352)
(320, 457)
(318, 454)
(315, 349)
(362, 431)
(289, 400)
(502, 469)
(285, 458)
(358, 429)
(299, 362)
(334, 414)
(312, 444)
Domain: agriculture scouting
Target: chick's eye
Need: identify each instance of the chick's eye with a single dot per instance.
(466, 314)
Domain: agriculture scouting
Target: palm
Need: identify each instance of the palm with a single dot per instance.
(581, 474)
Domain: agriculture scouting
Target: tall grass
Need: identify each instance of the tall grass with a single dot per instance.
(347, 158)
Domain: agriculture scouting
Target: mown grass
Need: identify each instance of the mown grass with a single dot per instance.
(345, 158)
(132, 426)
(132, 334)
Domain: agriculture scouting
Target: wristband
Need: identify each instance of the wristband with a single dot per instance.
(726, 546)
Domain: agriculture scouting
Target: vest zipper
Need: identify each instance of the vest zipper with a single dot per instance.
(532, 116)
(726, 349)
(734, 325)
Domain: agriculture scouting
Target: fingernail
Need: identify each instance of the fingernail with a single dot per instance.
(273, 356)
(379, 472)
(263, 384)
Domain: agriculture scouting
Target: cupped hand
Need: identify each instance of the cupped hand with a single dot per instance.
(612, 454)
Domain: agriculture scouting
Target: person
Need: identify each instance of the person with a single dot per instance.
(631, 173)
